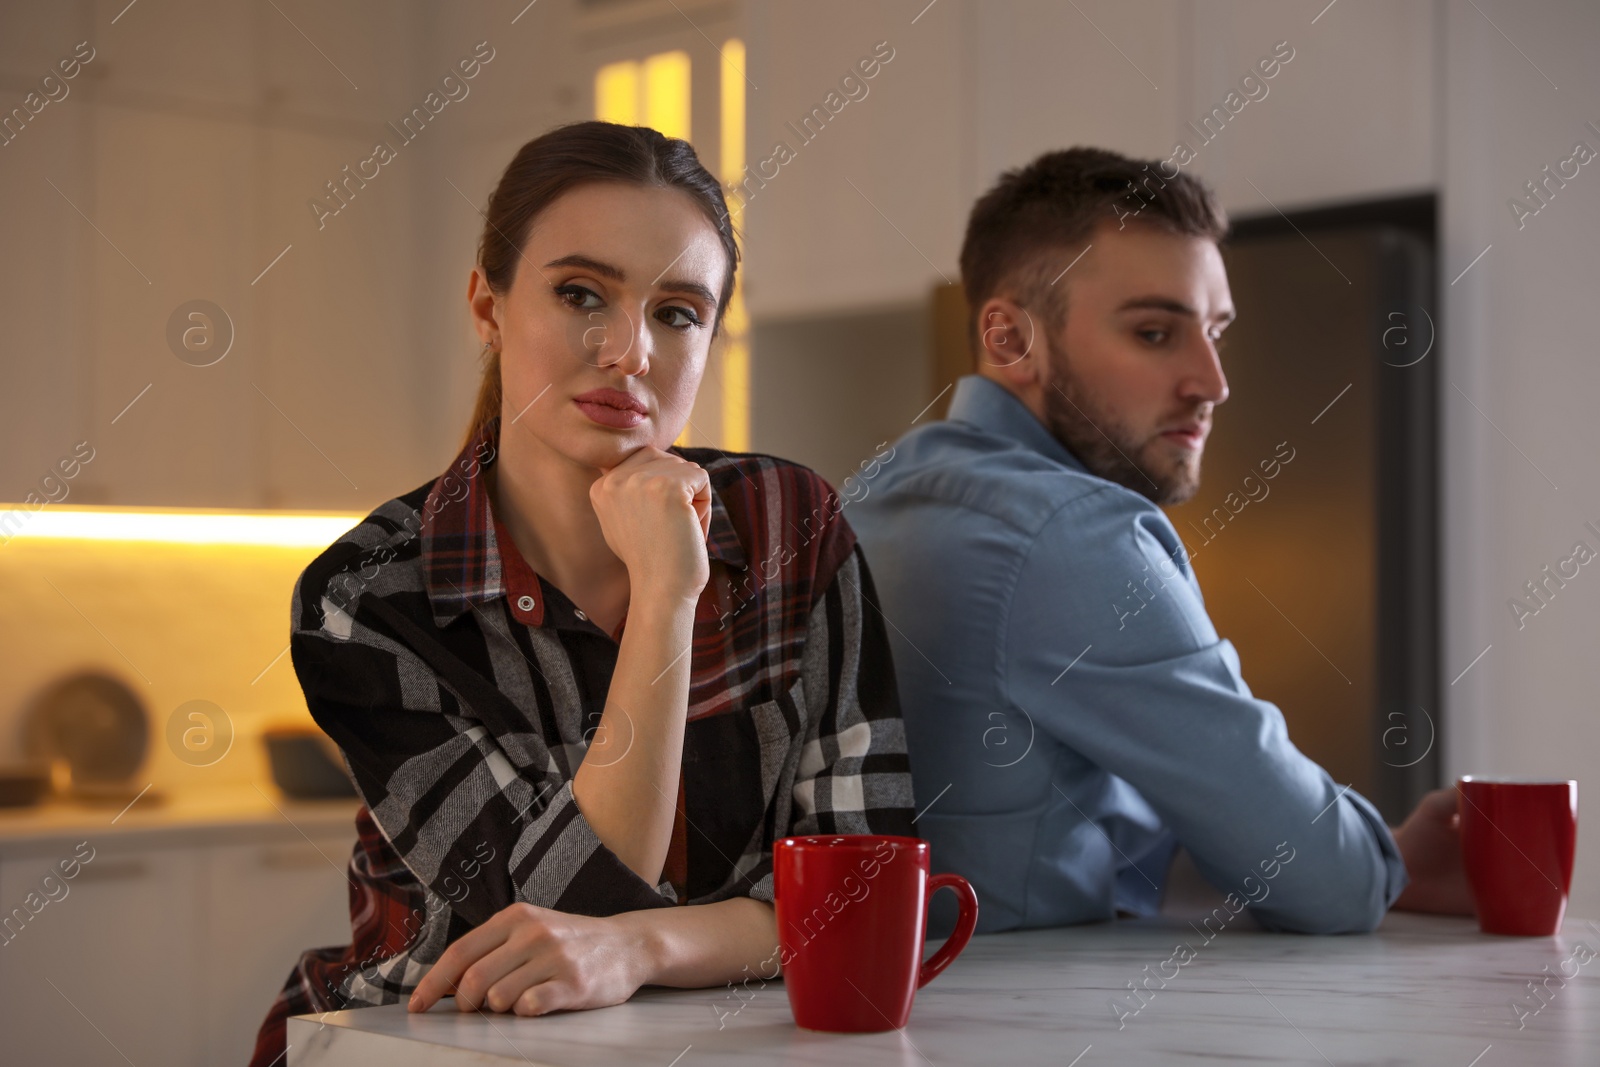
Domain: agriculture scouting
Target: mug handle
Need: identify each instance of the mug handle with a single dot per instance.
(966, 922)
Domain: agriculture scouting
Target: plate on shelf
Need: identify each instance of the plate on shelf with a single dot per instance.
(97, 725)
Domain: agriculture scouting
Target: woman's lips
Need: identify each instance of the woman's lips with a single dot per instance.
(612, 407)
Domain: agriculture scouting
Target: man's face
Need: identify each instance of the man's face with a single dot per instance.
(1133, 374)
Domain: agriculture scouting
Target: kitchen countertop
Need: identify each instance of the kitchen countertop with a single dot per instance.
(181, 817)
(1422, 989)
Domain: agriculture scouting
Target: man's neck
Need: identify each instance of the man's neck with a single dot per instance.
(1030, 394)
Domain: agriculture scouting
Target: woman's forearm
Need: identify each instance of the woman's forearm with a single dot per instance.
(627, 785)
(706, 944)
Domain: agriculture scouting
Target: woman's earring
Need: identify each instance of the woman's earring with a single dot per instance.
(486, 346)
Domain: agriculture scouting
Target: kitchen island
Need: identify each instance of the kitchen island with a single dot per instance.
(1422, 989)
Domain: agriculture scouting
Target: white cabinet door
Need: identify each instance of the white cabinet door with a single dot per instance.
(109, 972)
(266, 903)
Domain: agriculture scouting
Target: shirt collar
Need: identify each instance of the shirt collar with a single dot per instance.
(990, 406)
(467, 557)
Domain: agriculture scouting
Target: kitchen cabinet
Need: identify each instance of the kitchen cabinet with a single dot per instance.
(267, 903)
(170, 943)
(102, 974)
(178, 168)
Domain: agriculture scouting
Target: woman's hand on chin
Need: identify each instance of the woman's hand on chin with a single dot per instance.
(655, 512)
(531, 960)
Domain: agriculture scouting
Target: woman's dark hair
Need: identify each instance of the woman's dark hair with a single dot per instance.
(561, 160)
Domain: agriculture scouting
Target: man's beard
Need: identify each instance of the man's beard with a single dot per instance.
(1105, 445)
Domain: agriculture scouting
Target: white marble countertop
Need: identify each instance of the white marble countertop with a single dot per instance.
(1423, 989)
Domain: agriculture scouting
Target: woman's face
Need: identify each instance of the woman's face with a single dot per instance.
(604, 333)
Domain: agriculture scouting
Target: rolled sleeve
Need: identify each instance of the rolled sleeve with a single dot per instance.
(1135, 679)
(479, 829)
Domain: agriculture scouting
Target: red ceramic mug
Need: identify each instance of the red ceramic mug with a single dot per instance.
(1517, 844)
(851, 910)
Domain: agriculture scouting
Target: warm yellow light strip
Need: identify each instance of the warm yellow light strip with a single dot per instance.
(666, 93)
(736, 397)
(175, 526)
(665, 105)
(736, 353)
(732, 110)
(616, 93)
(736, 375)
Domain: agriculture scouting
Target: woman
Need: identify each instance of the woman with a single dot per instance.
(583, 676)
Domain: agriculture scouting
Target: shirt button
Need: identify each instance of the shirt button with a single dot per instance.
(525, 603)
(579, 613)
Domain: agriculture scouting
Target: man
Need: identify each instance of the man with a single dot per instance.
(1062, 743)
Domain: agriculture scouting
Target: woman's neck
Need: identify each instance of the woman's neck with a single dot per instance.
(542, 499)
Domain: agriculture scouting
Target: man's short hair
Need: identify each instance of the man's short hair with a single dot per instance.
(1020, 230)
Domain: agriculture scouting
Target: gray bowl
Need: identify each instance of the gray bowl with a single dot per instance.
(302, 768)
(23, 785)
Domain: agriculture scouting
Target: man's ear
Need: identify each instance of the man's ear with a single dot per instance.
(1009, 343)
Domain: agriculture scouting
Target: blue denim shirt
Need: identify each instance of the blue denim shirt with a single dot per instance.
(1071, 714)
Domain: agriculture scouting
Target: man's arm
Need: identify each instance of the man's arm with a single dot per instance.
(1154, 696)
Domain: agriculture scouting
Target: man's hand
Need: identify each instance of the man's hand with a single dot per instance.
(655, 512)
(531, 960)
(1430, 844)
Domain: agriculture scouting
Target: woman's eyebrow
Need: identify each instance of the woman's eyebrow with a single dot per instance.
(617, 274)
(683, 285)
(577, 259)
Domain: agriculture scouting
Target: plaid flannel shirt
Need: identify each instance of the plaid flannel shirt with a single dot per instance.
(462, 689)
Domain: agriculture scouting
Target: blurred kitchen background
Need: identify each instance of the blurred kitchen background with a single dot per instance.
(227, 335)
